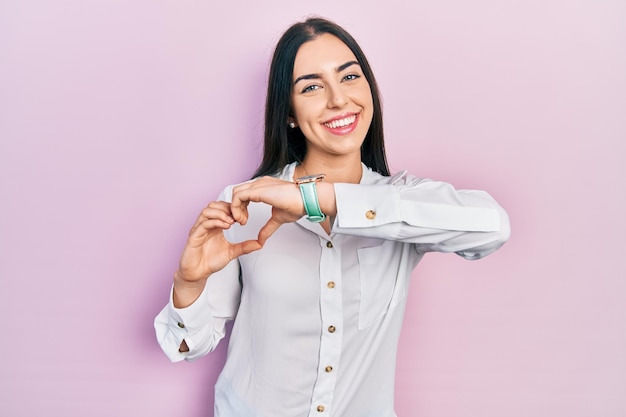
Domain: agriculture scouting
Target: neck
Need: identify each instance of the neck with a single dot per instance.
(346, 170)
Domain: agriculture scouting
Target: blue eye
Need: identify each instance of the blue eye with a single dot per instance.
(310, 88)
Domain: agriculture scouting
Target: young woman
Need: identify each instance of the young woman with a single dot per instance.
(313, 257)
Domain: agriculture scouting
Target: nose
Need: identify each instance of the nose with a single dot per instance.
(336, 97)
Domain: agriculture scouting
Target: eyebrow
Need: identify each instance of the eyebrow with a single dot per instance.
(317, 76)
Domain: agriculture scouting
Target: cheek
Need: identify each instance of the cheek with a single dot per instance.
(367, 102)
(365, 98)
(304, 109)
(368, 97)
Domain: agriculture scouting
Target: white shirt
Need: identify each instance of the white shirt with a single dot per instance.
(318, 316)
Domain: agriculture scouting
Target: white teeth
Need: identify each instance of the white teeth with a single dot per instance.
(341, 122)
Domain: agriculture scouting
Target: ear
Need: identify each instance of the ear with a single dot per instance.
(291, 121)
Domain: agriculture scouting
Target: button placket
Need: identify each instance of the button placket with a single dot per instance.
(331, 309)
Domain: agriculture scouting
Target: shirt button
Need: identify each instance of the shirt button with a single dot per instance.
(331, 284)
(329, 244)
(182, 326)
(329, 368)
(331, 329)
(320, 408)
(370, 214)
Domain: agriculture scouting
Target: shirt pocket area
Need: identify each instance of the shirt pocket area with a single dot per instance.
(378, 269)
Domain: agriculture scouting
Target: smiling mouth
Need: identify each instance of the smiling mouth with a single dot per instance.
(338, 123)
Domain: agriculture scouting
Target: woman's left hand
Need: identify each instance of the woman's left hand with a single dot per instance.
(283, 196)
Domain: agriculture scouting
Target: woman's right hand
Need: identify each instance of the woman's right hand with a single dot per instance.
(207, 251)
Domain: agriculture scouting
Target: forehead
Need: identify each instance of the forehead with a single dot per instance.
(324, 53)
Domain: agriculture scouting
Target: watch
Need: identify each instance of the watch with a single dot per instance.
(308, 190)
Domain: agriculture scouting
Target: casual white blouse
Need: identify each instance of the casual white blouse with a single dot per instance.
(318, 316)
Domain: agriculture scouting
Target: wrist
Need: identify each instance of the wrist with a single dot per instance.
(326, 198)
(185, 292)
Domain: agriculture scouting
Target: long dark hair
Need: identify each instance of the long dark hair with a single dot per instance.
(283, 145)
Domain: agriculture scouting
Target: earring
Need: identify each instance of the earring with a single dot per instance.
(292, 125)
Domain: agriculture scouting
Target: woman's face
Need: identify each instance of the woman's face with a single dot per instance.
(331, 99)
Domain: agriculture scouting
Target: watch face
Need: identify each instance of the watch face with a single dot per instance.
(310, 178)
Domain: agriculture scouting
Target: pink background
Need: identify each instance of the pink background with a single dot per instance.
(120, 120)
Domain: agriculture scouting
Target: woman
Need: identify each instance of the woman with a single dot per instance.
(316, 267)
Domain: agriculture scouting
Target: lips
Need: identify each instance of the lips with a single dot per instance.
(343, 124)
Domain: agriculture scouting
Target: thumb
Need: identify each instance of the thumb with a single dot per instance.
(245, 247)
(268, 230)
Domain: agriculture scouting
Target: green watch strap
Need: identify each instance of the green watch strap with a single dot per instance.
(311, 203)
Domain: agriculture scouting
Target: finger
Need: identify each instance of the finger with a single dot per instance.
(203, 228)
(256, 191)
(246, 195)
(240, 213)
(216, 210)
(245, 247)
(219, 215)
(250, 246)
(235, 204)
(223, 205)
(243, 213)
(239, 208)
(268, 230)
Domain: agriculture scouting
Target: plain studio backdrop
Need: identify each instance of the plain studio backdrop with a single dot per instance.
(120, 120)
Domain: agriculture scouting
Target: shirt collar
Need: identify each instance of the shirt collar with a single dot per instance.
(367, 177)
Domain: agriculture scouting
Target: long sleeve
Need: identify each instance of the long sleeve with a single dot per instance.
(430, 214)
(202, 324)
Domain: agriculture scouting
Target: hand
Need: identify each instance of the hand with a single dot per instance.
(207, 251)
(283, 196)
